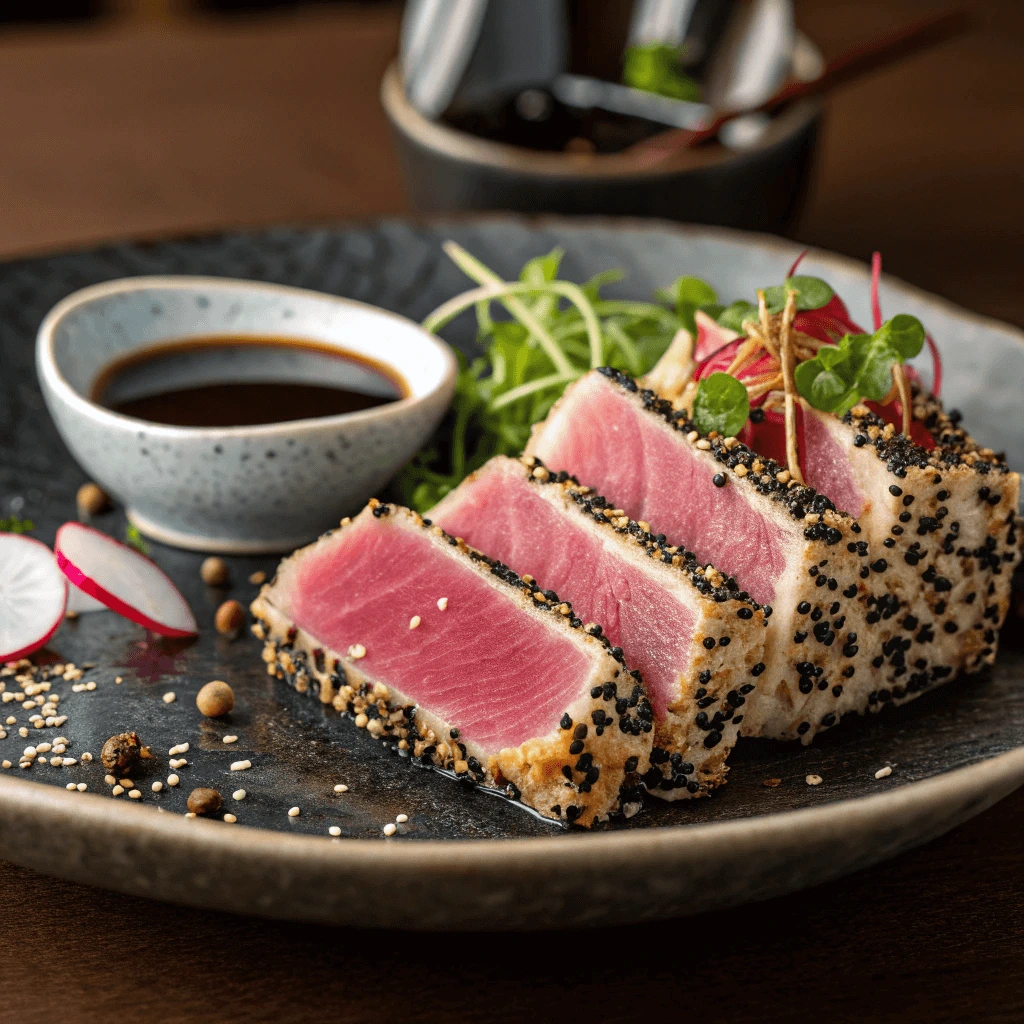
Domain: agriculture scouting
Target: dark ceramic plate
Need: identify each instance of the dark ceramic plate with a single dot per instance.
(464, 858)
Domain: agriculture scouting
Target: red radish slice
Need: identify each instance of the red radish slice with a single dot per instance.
(33, 595)
(124, 580)
(79, 601)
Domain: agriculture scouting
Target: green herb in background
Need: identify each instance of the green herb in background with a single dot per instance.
(134, 539)
(559, 331)
(13, 524)
(655, 67)
(860, 366)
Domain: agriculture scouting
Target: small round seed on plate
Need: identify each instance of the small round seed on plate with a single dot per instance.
(883, 772)
(170, 697)
(229, 618)
(390, 829)
(813, 780)
(230, 819)
(203, 800)
(91, 500)
(294, 812)
(341, 788)
(240, 766)
(215, 699)
(173, 780)
(334, 831)
(239, 794)
(214, 571)
(229, 739)
(157, 786)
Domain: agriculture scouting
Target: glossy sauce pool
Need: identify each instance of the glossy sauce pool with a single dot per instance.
(244, 380)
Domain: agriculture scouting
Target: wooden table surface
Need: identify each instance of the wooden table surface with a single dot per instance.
(116, 132)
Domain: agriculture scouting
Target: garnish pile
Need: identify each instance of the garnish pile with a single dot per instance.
(737, 368)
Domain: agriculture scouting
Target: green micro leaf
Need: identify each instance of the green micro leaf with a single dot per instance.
(688, 294)
(721, 404)
(904, 333)
(15, 525)
(811, 292)
(654, 67)
(134, 539)
(733, 317)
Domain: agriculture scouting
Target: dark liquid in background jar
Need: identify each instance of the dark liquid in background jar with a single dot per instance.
(153, 383)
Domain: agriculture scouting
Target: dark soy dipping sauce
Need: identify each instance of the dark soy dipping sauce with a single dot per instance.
(238, 381)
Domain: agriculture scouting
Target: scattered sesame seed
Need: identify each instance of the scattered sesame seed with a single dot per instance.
(341, 788)
(442, 603)
(239, 794)
(230, 818)
(402, 818)
(67, 762)
(119, 680)
(178, 762)
(71, 786)
(257, 578)
(229, 739)
(240, 766)
(771, 783)
(87, 756)
(414, 622)
(82, 787)
(179, 748)
(390, 829)
(883, 772)
(293, 812)
(334, 830)
(173, 780)
(135, 794)
(170, 697)
(55, 762)
(110, 780)
(157, 786)
(127, 783)
(90, 686)
(117, 791)
(813, 780)
(357, 651)
(190, 814)
(23, 732)
(6, 764)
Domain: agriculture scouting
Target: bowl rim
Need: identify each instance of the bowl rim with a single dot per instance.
(60, 388)
(473, 150)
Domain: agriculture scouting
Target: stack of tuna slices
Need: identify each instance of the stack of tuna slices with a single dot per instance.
(649, 594)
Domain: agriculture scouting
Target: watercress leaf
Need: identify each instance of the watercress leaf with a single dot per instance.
(811, 292)
(734, 316)
(775, 298)
(721, 404)
(874, 379)
(693, 291)
(830, 356)
(903, 333)
(712, 309)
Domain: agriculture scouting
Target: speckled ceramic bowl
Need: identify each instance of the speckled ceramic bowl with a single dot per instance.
(247, 489)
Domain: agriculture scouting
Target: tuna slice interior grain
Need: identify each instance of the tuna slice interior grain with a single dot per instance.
(785, 544)
(455, 661)
(697, 640)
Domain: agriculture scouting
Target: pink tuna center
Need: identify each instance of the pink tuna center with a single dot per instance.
(826, 464)
(650, 471)
(501, 513)
(483, 664)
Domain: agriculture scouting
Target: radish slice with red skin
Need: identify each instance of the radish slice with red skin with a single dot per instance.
(79, 601)
(124, 580)
(33, 595)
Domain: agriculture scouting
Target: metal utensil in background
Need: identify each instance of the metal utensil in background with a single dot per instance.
(463, 53)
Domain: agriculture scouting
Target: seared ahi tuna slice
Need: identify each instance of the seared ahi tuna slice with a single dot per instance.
(697, 640)
(945, 520)
(786, 545)
(454, 660)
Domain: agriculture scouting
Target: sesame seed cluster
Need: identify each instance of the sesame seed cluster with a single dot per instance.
(585, 771)
(727, 647)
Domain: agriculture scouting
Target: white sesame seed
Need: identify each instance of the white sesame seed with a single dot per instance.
(414, 622)
(117, 791)
(127, 783)
(170, 697)
(157, 786)
(402, 818)
(87, 756)
(442, 603)
(178, 748)
(23, 733)
(135, 794)
(178, 762)
(390, 829)
(341, 788)
(71, 786)
(357, 651)
(60, 720)
(109, 780)
(55, 762)
(813, 780)
(334, 831)
(31, 751)
(90, 686)
(703, 444)
(230, 819)
(240, 766)
(5, 764)
(58, 749)
(883, 772)
(11, 720)
(82, 787)
(67, 762)
(229, 739)
(190, 814)
(118, 680)
(294, 812)
(239, 794)
(45, 748)
(172, 780)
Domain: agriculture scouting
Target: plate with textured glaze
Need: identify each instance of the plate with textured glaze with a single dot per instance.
(463, 858)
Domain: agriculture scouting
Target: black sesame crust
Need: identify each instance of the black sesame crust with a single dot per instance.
(810, 659)
(726, 657)
(576, 779)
